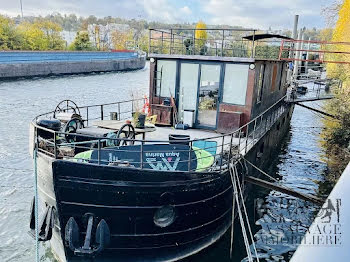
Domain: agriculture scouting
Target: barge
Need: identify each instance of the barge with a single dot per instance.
(118, 190)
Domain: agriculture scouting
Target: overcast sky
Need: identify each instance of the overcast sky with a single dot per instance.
(249, 13)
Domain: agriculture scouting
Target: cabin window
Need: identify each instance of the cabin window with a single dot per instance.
(166, 78)
(235, 84)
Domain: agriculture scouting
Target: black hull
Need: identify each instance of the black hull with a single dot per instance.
(127, 200)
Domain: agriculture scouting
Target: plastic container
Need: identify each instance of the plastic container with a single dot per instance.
(188, 117)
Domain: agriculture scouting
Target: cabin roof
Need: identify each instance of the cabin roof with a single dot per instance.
(211, 58)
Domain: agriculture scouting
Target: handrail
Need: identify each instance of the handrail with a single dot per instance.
(253, 131)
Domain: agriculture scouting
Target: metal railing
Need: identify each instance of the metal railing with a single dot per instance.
(218, 42)
(228, 146)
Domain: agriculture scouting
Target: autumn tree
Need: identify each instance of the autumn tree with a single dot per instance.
(52, 33)
(33, 37)
(201, 36)
(336, 134)
(120, 39)
(10, 39)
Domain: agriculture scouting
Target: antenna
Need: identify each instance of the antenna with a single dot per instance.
(21, 8)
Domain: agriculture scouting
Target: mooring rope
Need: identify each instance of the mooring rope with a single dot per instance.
(36, 205)
(232, 221)
(261, 171)
(246, 214)
(244, 232)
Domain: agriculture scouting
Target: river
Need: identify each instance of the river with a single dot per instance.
(298, 164)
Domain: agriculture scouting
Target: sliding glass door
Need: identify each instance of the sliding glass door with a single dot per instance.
(208, 95)
(188, 88)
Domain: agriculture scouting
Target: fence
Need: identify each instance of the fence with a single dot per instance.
(218, 42)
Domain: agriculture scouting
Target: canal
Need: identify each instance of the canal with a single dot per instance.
(274, 217)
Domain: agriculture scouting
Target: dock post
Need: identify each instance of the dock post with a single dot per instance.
(297, 54)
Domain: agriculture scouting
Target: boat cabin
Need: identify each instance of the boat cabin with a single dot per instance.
(212, 92)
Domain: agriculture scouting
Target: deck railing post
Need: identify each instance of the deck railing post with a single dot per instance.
(253, 45)
(222, 43)
(254, 130)
(194, 42)
(239, 141)
(98, 151)
(87, 115)
(162, 42)
(55, 144)
(230, 152)
(246, 140)
(183, 45)
(222, 151)
(149, 41)
(101, 112)
(189, 157)
(141, 159)
(171, 41)
(118, 111)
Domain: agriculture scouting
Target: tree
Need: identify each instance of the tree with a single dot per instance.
(201, 36)
(81, 42)
(52, 33)
(119, 38)
(10, 39)
(336, 134)
(33, 37)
